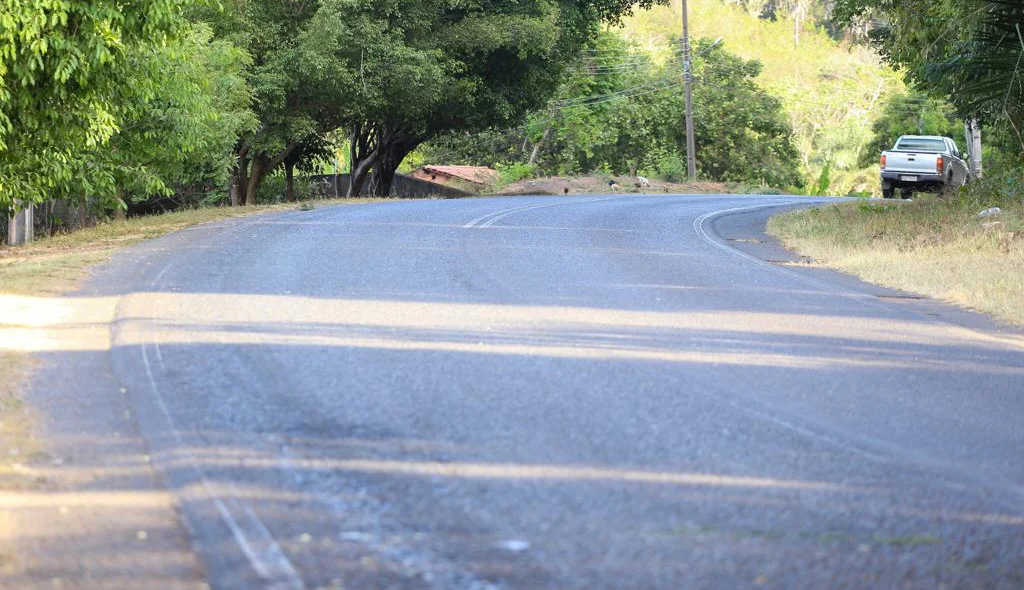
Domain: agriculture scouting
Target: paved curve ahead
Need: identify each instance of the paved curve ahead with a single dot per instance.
(563, 392)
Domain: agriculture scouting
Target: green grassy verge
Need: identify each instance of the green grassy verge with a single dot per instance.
(933, 246)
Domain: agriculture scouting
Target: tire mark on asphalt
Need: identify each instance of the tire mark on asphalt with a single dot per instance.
(495, 216)
(263, 553)
(252, 536)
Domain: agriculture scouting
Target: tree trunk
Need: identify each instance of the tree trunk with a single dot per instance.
(392, 150)
(289, 181)
(537, 146)
(260, 168)
(357, 177)
(382, 178)
(239, 175)
(236, 188)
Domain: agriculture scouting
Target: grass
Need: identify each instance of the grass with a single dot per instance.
(16, 441)
(54, 265)
(933, 246)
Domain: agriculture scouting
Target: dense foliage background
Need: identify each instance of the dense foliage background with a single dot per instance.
(160, 104)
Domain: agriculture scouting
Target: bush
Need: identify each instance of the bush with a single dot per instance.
(671, 167)
(514, 172)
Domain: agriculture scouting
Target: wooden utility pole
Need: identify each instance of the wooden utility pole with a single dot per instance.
(20, 225)
(691, 157)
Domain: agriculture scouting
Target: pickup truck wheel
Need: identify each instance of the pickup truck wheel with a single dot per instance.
(888, 193)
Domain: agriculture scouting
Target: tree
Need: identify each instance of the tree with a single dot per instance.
(618, 111)
(967, 52)
(913, 113)
(490, 64)
(742, 131)
(304, 76)
(64, 66)
(180, 116)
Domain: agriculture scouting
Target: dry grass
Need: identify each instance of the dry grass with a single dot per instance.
(16, 442)
(55, 265)
(932, 246)
(598, 184)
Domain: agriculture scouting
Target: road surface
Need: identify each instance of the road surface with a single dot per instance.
(545, 392)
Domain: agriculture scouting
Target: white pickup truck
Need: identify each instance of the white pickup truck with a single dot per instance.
(922, 163)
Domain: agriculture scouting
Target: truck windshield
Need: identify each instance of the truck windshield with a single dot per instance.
(921, 144)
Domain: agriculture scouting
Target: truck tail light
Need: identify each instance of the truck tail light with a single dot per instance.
(882, 163)
(940, 164)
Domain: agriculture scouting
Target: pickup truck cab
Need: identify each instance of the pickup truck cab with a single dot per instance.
(922, 163)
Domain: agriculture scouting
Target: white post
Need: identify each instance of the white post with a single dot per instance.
(20, 225)
(972, 134)
(976, 147)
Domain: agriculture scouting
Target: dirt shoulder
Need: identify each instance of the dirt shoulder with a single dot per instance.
(599, 184)
(938, 247)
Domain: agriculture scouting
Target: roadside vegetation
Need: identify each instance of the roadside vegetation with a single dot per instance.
(620, 110)
(935, 246)
(943, 245)
(783, 97)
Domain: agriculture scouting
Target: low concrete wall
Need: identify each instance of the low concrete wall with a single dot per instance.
(330, 185)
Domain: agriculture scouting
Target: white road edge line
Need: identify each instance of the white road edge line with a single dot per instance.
(698, 226)
(862, 298)
(268, 561)
(895, 454)
(490, 219)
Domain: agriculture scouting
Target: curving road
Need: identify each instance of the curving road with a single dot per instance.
(562, 392)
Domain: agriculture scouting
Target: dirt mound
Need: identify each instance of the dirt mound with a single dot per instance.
(598, 184)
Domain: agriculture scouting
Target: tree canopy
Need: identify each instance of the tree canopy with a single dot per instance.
(629, 119)
(67, 73)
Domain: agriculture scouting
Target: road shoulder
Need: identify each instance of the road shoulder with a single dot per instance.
(747, 232)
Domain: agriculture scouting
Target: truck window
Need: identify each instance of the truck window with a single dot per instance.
(920, 144)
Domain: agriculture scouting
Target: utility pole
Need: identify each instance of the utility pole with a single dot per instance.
(20, 225)
(972, 133)
(691, 156)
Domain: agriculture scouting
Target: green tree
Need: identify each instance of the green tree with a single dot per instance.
(742, 131)
(178, 128)
(967, 52)
(913, 113)
(495, 63)
(305, 75)
(619, 111)
(64, 66)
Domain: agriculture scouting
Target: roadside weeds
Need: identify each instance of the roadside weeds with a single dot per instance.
(932, 246)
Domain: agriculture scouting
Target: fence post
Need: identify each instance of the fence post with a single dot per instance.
(20, 226)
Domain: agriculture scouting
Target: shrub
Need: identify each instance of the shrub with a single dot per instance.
(671, 167)
(514, 172)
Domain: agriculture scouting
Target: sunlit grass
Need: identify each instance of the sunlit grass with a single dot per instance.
(932, 246)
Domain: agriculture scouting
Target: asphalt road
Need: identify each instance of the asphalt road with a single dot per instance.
(558, 392)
